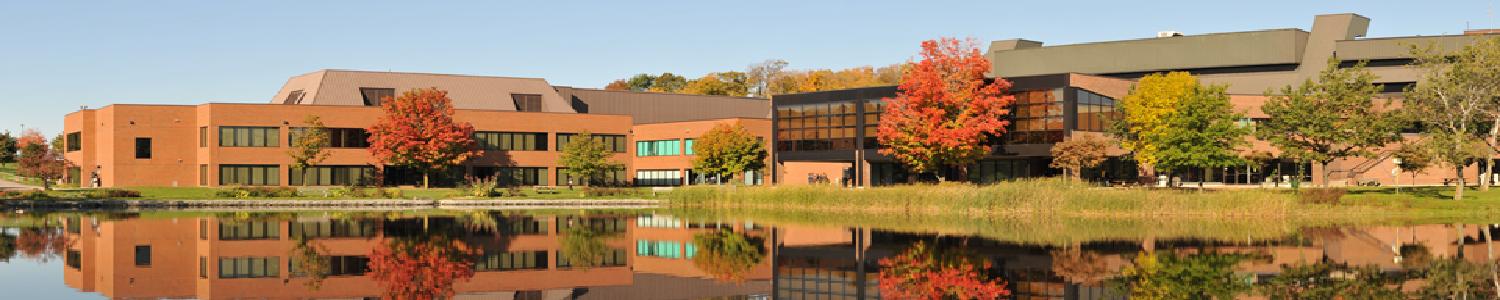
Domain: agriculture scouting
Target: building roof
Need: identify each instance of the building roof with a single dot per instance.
(342, 87)
(649, 107)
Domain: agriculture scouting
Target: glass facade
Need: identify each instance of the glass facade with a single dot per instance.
(814, 127)
(1037, 118)
(616, 177)
(249, 267)
(249, 175)
(337, 137)
(332, 175)
(658, 178)
(1095, 112)
(230, 136)
(508, 261)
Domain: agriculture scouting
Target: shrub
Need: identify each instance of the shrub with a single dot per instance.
(349, 192)
(1328, 196)
(24, 195)
(607, 191)
(111, 193)
(390, 193)
(481, 187)
(257, 192)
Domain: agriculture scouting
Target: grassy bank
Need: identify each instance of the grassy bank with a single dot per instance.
(1058, 212)
(334, 193)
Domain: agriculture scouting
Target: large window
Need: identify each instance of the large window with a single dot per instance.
(873, 109)
(616, 177)
(662, 249)
(990, 171)
(658, 177)
(337, 137)
(332, 175)
(509, 261)
(338, 265)
(511, 141)
(687, 146)
(202, 137)
(514, 176)
(527, 102)
(231, 136)
(813, 127)
(1038, 118)
(143, 148)
(373, 96)
(75, 141)
(1094, 111)
(249, 175)
(658, 148)
(249, 267)
(332, 229)
(615, 142)
(249, 230)
(613, 258)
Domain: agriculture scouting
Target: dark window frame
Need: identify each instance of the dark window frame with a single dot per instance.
(527, 102)
(139, 261)
(379, 94)
(143, 148)
(74, 141)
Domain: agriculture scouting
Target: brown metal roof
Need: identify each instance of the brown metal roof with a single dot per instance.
(341, 87)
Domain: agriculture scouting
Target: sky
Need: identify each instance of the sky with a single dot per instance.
(57, 56)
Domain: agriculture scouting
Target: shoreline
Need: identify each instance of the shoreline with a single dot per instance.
(364, 204)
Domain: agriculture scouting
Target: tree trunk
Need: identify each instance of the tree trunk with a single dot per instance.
(425, 175)
(1326, 173)
(1458, 190)
(1489, 172)
(1489, 253)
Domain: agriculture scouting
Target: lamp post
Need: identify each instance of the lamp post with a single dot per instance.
(1396, 174)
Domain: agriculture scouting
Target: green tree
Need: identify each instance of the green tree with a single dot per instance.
(309, 260)
(584, 246)
(1332, 118)
(668, 83)
(1077, 153)
(8, 148)
(1451, 99)
(718, 84)
(1146, 113)
(587, 157)
(1414, 157)
(1331, 281)
(1204, 133)
(727, 255)
(307, 145)
(726, 151)
(640, 82)
(1483, 58)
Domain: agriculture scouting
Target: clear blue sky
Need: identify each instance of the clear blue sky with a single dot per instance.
(58, 55)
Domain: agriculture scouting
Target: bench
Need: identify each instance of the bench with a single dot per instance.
(546, 190)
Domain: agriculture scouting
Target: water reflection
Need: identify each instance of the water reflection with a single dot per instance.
(620, 255)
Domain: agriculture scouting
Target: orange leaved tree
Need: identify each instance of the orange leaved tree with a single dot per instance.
(421, 268)
(945, 110)
(417, 130)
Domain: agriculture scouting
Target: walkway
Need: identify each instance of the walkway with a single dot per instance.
(6, 185)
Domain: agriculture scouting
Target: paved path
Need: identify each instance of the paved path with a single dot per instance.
(6, 185)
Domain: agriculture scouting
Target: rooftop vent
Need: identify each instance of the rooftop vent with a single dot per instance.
(1168, 33)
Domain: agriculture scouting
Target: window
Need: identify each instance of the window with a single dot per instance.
(662, 249)
(1094, 111)
(512, 176)
(816, 127)
(687, 146)
(230, 136)
(337, 137)
(338, 265)
(658, 178)
(249, 267)
(617, 177)
(332, 229)
(249, 175)
(143, 256)
(373, 96)
(202, 267)
(614, 142)
(614, 258)
(510, 261)
(74, 259)
(511, 141)
(75, 141)
(202, 137)
(528, 103)
(143, 148)
(75, 175)
(249, 230)
(1037, 118)
(202, 175)
(658, 148)
(294, 97)
(332, 176)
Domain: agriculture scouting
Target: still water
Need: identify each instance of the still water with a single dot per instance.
(653, 255)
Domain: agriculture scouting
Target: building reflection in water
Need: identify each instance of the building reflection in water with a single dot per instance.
(654, 256)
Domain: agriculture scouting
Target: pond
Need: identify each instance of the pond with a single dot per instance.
(670, 255)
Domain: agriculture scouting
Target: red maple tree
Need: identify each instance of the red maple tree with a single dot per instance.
(421, 269)
(417, 130)
(30, 137)
(922, 272)
(945, 110)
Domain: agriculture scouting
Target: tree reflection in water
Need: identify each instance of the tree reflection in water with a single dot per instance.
(41, 243)
(308, 260)
(928, 272)
(583, 245)
(1191, 276)
(421, 267)
(1329, 280)
(727, 255)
